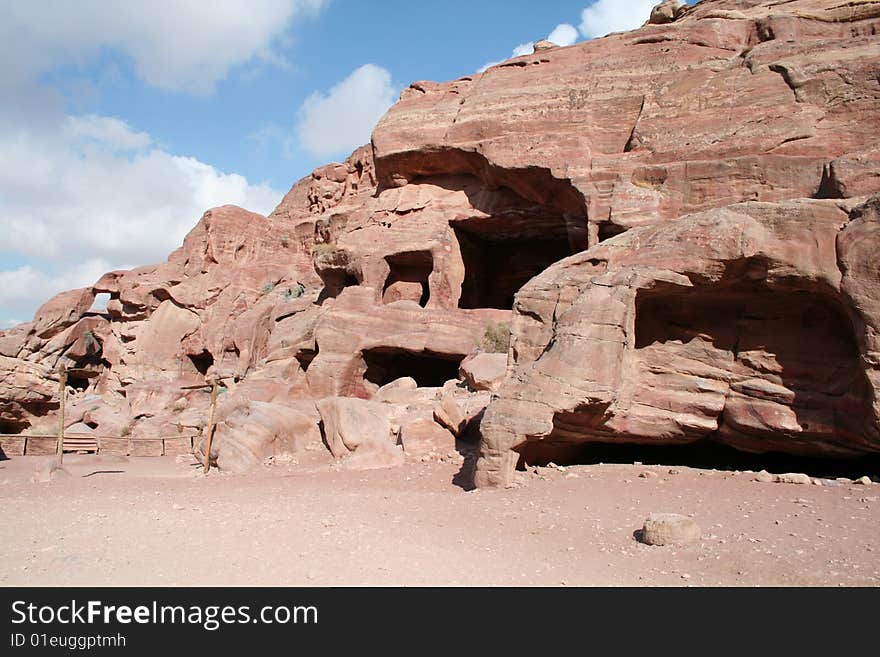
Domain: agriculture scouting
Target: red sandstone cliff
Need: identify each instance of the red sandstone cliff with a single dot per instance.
(676, 223)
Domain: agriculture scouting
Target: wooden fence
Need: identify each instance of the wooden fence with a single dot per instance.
(63, 442)
(23, 445)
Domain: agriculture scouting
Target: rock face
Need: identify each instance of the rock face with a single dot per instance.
(677, 227)
(484, 371)
(361, 430)
(731, 325)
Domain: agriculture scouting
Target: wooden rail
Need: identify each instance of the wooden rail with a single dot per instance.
(26, 445)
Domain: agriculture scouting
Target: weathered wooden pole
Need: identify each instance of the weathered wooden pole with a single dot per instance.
(62, 394)
(210, 432)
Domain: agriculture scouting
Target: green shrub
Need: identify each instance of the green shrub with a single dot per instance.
(294, 292)
(267, 287)
(496, 339)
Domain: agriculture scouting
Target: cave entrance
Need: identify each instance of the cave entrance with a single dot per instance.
(791, 358)
(77, 381)
(408, 277)
(202, 362)
(305, 357)
(429, 369)
(13, 426)
(702, 455)
(772, 372)
(501, 254)
(608, 229)
(335, 282)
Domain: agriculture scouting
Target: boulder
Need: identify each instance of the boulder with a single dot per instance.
(402, 291)
(359, 428)
(251, 431)
(458, 411)
(484, 371)
(666, 12)
(794, 478)
(398, 391)
(669, 529)
(424, 438)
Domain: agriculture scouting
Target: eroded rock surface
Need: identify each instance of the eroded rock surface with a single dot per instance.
(728, 325)
(675, 226)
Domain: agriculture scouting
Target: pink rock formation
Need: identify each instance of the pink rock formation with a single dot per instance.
(675, 222)
(484, 371)
(731, 325)
(360, 430)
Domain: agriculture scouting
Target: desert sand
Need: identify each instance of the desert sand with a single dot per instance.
(121, 521)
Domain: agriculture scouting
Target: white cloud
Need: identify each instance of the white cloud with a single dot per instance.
(105, 131)
(91, 196)
(335, 123)
(84, 194)
(607, 16)
(523, 49)
(563, 35)
(27, 286)
(184, 45)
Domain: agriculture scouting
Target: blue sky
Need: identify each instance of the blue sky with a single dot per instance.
(120, 123)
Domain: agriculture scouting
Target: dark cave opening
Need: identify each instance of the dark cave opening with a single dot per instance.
(305, 357)
(429, 369)
(335, 281)
(497, 263)
(77, 382)
(608, 229)
(413, 268)
(794, 348)
(702, 455)
(202, 362)
(775, 370)
(13, 426)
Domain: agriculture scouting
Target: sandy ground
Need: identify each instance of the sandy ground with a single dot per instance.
(157, 521)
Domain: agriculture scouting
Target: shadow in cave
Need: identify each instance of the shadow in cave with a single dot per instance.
(706, 455)
(797, 383)
(429, 369)
(334, 283)
(784, 348)
(523, 221)
(498, 262)
(525, 232)
(413, 267)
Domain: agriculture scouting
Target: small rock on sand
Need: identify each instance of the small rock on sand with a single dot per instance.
(793, 478)
(669, 529)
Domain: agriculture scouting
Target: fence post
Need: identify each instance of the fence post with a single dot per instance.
(210, 432)
(62, 393)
